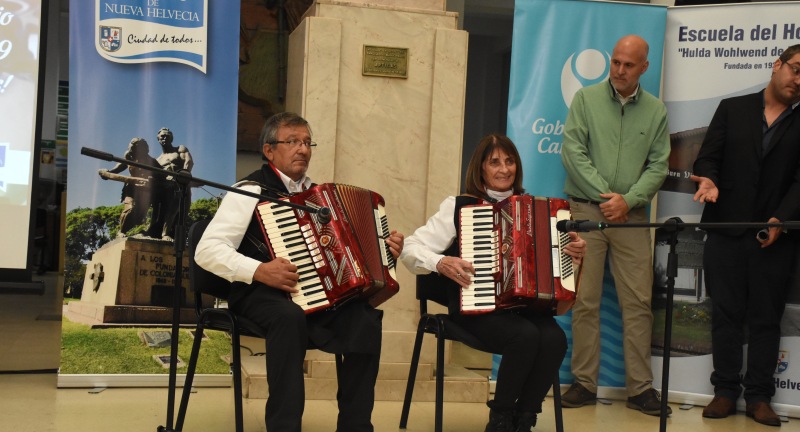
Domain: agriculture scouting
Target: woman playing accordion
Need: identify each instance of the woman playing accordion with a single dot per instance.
(531, 342)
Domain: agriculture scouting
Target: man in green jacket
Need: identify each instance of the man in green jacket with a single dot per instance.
(615, 152)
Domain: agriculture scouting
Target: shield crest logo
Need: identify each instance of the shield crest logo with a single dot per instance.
(783, 361)
(110, 38)
(325, 240)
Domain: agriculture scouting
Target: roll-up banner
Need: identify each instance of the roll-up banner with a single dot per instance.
(152, 81)
(712, 53)
(559, 47)
(135, 68)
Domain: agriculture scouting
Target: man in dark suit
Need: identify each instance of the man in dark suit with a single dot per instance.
(748, 170)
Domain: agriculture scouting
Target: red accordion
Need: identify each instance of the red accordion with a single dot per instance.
(345, 258)
(518, 255)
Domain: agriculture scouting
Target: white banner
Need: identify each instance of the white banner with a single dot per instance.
(144, 31)
(712, 53)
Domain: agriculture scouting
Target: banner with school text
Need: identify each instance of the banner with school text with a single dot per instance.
(712, 53)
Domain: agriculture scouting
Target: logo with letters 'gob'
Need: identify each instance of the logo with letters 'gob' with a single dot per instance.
(783, 361)
(582, 69)
(110, 38)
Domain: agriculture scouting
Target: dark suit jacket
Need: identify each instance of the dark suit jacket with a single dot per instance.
(754, 184)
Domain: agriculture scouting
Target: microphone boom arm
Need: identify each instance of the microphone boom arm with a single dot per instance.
(185, 177)
(672, 223)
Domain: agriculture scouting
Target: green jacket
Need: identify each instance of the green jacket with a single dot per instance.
(611, 148)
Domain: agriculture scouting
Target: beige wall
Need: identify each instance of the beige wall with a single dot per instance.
(399, 137)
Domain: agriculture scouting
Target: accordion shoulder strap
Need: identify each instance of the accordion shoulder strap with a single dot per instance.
(260, 245)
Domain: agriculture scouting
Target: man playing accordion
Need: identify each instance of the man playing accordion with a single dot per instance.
(232, 248)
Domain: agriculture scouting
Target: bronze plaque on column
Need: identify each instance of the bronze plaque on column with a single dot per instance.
(385, 62)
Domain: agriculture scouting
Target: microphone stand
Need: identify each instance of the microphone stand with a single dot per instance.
(184, 182)
(672, 226)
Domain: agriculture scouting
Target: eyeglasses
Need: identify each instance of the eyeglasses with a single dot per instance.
(295, 143)
(795, 69)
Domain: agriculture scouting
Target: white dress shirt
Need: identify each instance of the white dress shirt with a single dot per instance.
(217, 250)
(423, 249)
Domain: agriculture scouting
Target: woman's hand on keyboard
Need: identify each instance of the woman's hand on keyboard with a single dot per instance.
(456, 269)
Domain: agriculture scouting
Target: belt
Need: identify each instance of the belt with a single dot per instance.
(584, 201)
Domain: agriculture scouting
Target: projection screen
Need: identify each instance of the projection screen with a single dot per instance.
(20, 33)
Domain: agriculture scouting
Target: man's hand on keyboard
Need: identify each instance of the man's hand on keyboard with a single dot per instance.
(278, 273)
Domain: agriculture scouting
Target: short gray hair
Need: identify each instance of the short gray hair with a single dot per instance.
(269, 133)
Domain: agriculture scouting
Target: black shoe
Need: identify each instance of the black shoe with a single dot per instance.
(525, 422)
(500, 420)
(578, 396)
(648, 402)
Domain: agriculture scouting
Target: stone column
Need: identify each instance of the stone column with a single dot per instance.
(400, 136)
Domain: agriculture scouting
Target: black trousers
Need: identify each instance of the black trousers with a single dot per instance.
(532, 347)
(748, 287)
(289, 332)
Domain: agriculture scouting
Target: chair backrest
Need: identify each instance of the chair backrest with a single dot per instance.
(431, 287)
(202, 281)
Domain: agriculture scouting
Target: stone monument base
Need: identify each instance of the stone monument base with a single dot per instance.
(132, 281)
(93, 313)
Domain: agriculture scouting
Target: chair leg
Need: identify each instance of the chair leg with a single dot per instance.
(338, 358)
(557, 403)
(412, 373)
(237, 378)
(439, 380)
(338, 361)
(187, 386)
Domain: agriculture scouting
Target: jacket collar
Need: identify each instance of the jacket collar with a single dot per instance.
(615, 94)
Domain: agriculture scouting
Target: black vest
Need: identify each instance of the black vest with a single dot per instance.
(271, 186)
(254, 241)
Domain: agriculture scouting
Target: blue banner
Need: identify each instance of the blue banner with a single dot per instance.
(162, 112)
(558, 48)
(112, 102)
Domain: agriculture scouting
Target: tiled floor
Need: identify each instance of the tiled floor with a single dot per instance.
(30, 402)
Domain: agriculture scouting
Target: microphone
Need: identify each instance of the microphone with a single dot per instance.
(580, 226)
(323, 215)
(97, 154)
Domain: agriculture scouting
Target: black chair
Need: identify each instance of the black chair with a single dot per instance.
(443, 328)
(204, 282)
